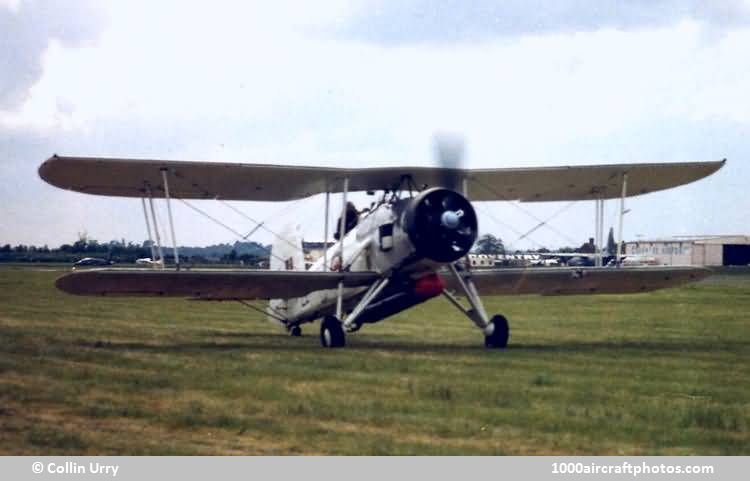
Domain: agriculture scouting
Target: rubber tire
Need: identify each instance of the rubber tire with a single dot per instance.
(332, 333)
(295, 331)
(500, 335)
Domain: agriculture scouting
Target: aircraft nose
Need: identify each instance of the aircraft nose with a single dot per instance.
(450, 219)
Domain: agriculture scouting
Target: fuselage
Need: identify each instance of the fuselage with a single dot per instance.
(380, 243)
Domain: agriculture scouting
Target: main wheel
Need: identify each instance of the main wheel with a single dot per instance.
(295, 331)
(332, 332)
(500, 333)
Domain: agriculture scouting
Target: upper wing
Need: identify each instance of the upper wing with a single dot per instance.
(585, 182)
(586, 280)
(229, 181)
(211, 285)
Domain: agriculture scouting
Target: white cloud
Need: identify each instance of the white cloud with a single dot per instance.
(228, 70)
(261, 84)
(11, 5)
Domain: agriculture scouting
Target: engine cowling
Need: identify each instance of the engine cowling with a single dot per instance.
(441, 224)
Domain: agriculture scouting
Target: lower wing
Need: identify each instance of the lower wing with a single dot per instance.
(556, 281)
(209, 285)
(264, 284)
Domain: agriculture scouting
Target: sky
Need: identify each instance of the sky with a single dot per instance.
(369, 83)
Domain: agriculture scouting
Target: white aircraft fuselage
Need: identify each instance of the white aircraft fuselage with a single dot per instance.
(366, 248)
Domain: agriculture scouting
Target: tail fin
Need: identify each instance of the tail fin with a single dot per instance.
(286, 251)
(286, 255)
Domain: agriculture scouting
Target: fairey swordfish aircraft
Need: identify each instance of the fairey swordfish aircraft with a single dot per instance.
(405, 249)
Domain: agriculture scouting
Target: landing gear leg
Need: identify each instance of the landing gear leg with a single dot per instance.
(496, 330)
(295, 331)
(332, 329)
(332, 332)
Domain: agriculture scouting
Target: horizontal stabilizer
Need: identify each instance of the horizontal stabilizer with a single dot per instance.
(557, 281)
(206, 284)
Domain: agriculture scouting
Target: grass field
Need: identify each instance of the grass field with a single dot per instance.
(660, 373)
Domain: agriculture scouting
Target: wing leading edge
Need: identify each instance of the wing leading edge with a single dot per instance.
(257, 182)
(557, 281)
(208, 285)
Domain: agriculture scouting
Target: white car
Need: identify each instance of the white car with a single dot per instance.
(146, 261)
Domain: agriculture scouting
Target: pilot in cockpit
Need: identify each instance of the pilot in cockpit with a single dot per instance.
(352, 218)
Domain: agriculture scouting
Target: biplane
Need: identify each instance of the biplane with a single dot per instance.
(407, 248)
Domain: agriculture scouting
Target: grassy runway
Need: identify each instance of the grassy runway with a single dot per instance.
(660, 373)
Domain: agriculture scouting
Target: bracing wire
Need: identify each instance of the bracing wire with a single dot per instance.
(260, 225)
(531, 214)
(217, 221)
(505, 225)
(546, 222)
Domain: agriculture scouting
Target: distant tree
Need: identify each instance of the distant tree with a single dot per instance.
(122, 251)
(198, 260)
(231, 257)
(93, 246)
(489, 244)
(81, 243)
(611, 244)
(250, 259)
(588, 247)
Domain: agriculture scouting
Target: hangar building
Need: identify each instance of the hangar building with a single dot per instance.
(723, 250)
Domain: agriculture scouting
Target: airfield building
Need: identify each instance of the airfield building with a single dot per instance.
(721, 250)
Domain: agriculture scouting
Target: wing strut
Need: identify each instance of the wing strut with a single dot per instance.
(599, 232)
(156, 225)
(171, 222)
(596, 232)
(342, 236)
(622, 214)
(148, 229)
(325, 232)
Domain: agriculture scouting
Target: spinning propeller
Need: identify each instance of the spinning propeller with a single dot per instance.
(449, 153)
(441, 222)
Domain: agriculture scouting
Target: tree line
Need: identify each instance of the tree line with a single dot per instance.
(126, 252)
(247, 253)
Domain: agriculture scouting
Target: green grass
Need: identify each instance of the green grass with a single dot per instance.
(659, 373)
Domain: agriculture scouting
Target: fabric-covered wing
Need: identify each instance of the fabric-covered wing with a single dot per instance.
(205, 284)
(586, 182)
(256, 182)
(556, 281)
